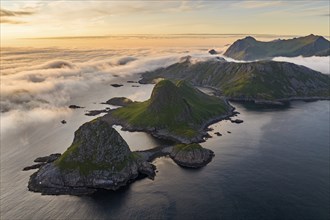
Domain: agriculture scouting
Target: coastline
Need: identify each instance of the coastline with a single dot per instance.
(164, 134)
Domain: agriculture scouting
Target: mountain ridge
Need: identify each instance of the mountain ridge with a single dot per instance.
(249, 48)
(258, 81)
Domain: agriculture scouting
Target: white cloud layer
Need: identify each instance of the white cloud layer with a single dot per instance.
(321, 64)
(37, 84)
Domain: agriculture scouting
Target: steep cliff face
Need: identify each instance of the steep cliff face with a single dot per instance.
(98, 158)
(251, 49)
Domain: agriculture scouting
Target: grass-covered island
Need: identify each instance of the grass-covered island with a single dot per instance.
(175, 111)
(267, 82)
(99, 158)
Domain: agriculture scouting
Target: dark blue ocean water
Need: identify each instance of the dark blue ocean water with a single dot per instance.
(275, 165)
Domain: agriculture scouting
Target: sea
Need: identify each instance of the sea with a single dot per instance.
(275, 165)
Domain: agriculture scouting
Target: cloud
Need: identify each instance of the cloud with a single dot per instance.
(33, 79)
(320, 64)
(4, 14)
(9, 13)
(257, 4)
(36, 87)
(9, 21)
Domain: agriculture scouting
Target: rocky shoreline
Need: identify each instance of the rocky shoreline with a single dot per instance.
(278, 102)
(163, 134)
(98, 158)
(191, 155)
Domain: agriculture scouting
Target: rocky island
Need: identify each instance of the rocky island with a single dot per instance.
(98, 158)
(175, 111)
(262, 82)
(251, 49)
(118, 101)
(191, 155)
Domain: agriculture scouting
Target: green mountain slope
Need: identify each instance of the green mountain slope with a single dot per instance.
(251, 49)
(263, 80)
(177, 110)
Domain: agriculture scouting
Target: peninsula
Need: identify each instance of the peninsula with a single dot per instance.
(175, 111)
(262, 82)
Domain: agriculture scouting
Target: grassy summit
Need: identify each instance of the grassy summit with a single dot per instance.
(96, 146)
(251, 49)
(175, 108)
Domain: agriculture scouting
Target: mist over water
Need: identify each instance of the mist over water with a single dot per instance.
(35, 86)
(321, 64)
(38, 85)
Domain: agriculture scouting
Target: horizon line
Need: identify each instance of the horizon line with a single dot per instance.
(155, 35)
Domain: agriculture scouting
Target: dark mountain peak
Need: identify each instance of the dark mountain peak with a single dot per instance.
(164, 95)
(95, 141)
(249, 38)
(249, 48)
(185, 59)
(313, 38)
(164, 87)
(321, 38)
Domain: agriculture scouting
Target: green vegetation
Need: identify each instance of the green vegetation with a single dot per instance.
(177, 108)
(87, 166)
(96, 146)
(251, 49)
(262, 80)
(187, 147)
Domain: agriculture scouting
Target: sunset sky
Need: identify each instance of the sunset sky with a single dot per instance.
(52, 18)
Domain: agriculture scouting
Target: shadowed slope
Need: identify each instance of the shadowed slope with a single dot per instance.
(263, 80)
(251, 49)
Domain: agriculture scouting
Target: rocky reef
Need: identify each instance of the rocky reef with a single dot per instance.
(191, 155)
(98, 158)
(119, 101)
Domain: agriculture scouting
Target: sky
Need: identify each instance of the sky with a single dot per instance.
(58, 18)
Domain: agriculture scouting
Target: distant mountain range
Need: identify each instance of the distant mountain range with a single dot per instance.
(255, 81)
(251, 49)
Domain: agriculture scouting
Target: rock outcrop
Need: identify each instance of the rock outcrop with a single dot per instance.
(119, 101)
(191, 155)
(98, 158)
(213, 52)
